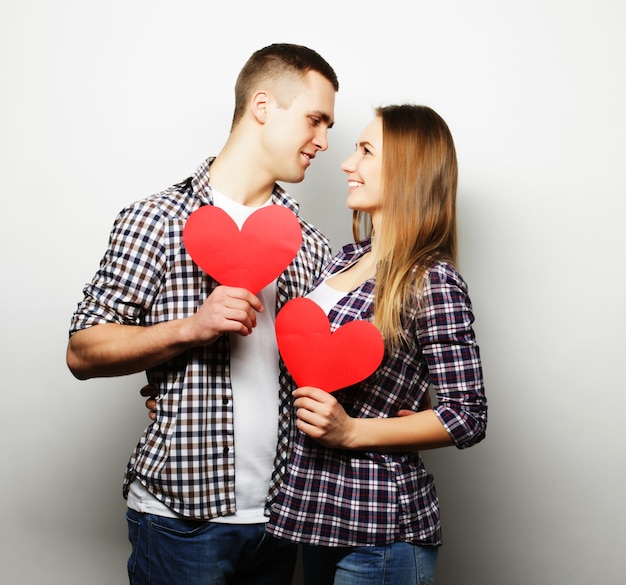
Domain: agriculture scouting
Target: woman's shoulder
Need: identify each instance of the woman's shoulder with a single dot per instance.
(443, 273)
(350, 252)
(352, 248)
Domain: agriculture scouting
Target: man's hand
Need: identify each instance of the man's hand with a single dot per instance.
(425, 404)
(113, 349)
(226, 310)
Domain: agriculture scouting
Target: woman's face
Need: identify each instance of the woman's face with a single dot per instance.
(364, 169)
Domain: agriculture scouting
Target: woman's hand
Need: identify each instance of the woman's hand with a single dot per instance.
(150, 392)
(322, 418)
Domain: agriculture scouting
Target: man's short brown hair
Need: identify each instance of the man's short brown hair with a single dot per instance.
(277, 63)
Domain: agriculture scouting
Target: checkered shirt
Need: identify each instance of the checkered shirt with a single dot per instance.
(186, 458)
(335, 497)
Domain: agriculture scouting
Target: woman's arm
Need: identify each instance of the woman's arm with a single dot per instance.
(449, 347)
(322, 418)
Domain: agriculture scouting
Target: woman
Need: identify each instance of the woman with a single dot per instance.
(357, 494)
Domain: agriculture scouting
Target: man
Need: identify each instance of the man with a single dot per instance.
(204, 474)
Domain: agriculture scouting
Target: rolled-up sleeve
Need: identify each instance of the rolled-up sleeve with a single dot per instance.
(130, 272)
(452, 355)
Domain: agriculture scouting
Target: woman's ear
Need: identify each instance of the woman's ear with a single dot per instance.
(260, 104)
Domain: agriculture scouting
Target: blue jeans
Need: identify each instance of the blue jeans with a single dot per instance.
(400, 563)
(169, 551)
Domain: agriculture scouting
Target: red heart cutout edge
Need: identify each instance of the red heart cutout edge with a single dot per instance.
(316, 357)
(251, 258)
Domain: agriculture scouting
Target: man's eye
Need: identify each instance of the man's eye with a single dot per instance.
(315, 121)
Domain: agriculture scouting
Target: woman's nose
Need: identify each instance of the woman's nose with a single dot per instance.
(347, 166)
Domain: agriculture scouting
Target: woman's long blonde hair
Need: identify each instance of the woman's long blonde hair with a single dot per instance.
(418, 227)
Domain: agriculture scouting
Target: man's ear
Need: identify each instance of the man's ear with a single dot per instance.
(260, 105)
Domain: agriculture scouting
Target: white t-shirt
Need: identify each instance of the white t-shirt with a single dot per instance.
(254, 380)
(325, 296)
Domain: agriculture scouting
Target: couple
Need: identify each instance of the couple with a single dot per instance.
(209, 496)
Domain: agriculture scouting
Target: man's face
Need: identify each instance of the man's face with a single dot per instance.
(293, 135)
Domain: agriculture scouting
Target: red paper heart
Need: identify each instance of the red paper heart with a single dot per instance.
(251, 258)
(316, 357)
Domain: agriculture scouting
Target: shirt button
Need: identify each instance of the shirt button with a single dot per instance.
(224, 401)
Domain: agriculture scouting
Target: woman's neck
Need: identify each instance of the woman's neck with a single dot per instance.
(376, 231)
(355, 275)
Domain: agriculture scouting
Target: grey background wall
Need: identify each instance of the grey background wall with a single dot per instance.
(104, 103)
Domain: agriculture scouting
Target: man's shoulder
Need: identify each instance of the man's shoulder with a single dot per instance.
(175, 202)
(310, 232)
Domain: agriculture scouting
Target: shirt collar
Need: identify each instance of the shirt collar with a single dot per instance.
(201, 184)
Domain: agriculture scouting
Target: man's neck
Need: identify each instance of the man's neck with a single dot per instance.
(233, 173)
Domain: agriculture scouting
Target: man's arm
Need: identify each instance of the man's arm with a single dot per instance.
(112, 349)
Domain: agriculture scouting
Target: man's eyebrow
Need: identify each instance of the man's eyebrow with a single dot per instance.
(325, 118)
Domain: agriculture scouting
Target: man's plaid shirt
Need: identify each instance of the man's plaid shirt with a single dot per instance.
(186, 458)
(336, 497)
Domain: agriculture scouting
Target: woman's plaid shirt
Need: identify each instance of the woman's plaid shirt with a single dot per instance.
(186, 457)
(335, 497)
